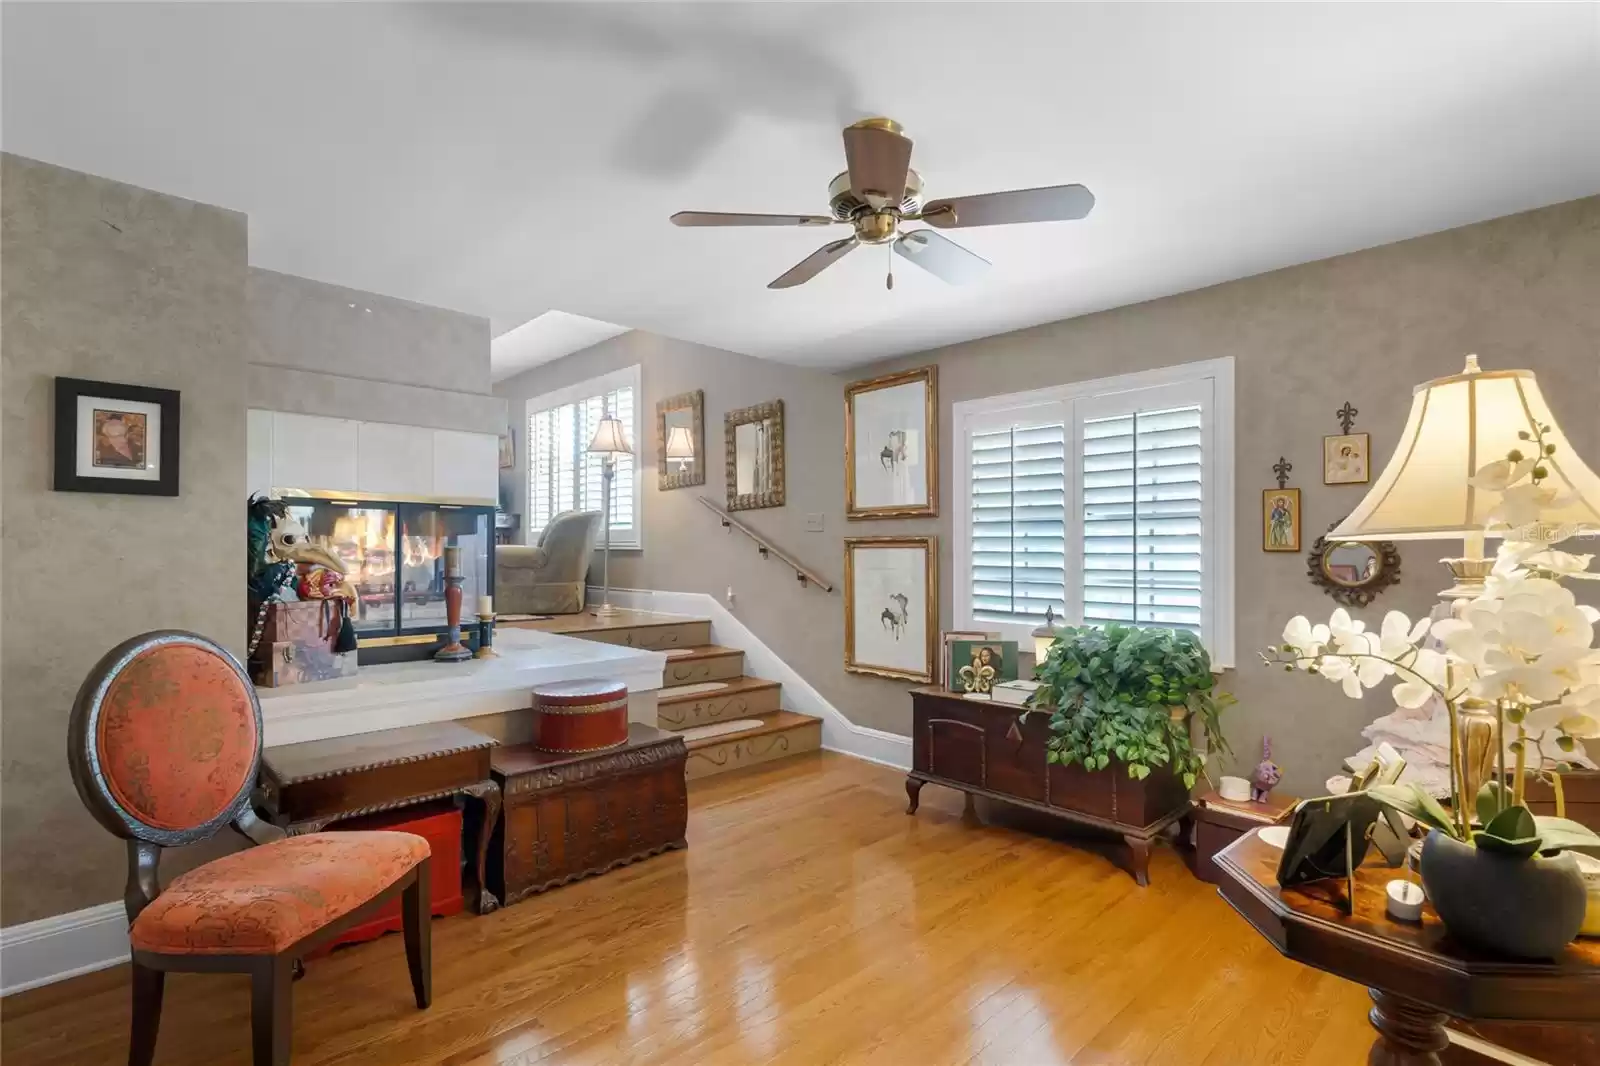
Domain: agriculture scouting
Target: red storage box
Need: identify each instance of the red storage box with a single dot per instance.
(574, 717)
(440, 826)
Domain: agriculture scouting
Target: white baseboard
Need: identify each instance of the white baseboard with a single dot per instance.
(838, 732)
(62, 946)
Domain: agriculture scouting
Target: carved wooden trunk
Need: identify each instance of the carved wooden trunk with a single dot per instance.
(572, 815)
(983, 749)
(296, 644)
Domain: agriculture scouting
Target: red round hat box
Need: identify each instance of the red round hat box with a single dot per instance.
(577, 716)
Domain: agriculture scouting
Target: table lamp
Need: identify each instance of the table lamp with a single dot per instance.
(610, 440)
(1457, 425)
(680, 446)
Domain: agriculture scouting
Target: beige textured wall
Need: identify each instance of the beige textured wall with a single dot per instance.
(1522, 291)
(105, 281)
(381, 360)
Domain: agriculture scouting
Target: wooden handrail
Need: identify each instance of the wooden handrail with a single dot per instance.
(803, 574)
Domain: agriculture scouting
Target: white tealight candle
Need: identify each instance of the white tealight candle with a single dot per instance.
(1405, 901)
(485, 606)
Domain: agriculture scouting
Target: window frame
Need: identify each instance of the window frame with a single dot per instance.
(624, 377)
(1071, 403)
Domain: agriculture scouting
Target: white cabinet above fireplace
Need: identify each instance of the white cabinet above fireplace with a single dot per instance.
(380, 459)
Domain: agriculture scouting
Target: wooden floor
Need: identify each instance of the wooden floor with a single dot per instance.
(809, 922)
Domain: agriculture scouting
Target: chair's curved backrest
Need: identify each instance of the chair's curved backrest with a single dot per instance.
(165, 739)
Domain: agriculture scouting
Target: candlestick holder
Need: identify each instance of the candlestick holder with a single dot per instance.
(453, 651)
(486, 638)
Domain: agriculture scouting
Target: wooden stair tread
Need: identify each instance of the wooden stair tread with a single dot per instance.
(588, 622)
(731, 687)
(771, 722)
(702, 651)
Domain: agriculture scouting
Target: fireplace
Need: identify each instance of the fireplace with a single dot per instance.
(394, 550)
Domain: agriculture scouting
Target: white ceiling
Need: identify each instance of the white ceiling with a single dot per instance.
(509, 160)
(550, 336)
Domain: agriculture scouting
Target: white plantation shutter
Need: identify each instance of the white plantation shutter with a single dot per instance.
(1018, 507)
(1141, 518)
(1109, 501)
(563, 476)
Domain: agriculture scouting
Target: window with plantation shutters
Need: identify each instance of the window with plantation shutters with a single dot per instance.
(1018, 508)
(562, 475)
(1103, 501)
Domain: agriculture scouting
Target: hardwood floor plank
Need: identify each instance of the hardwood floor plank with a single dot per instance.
(810, 922)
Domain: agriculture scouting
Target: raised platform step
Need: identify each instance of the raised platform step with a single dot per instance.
(709, 662)
(634, 629)
(780, 734)
(701, 703)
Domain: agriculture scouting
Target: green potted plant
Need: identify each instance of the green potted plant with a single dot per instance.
(1522, 651)
(1129, 696)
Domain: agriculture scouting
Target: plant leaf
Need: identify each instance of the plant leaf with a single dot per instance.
(1556, 833)
(1413, 801)
(1513, 823)
(1518, 847)
(1491, 801)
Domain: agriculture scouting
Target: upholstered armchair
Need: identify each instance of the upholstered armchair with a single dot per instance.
(165, 748)
(548, 579)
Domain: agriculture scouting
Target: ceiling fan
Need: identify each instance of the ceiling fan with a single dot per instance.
(879, 192)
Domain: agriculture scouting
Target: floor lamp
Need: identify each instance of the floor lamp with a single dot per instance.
(610, 441)
(1457, 425)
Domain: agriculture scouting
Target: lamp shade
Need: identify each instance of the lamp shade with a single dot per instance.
(680, 445)
(610, 439)
(1457, 425)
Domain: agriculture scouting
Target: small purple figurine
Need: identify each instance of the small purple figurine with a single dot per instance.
(1266, 774)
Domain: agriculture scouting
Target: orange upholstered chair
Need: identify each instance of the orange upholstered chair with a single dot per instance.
(165, 745)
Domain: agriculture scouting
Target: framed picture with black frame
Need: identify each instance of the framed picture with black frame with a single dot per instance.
(115, 438)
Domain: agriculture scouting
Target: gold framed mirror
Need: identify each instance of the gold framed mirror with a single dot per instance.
(1353, 571)
(681, 441)
(754, 456)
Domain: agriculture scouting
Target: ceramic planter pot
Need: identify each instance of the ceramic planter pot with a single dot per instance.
(1525, 908)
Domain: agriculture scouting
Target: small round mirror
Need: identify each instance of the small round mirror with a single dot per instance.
(1351, 563)
(1353, 571)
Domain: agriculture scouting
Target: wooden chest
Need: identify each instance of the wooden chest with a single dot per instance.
(983, 749)
(1219, 822)
(572, 815)
(296, 644)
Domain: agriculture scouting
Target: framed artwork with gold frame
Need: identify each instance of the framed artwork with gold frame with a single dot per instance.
(891, 606)
(891, 445)
(1280, 520)
(753, 456)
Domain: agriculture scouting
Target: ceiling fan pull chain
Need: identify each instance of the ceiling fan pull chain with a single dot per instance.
(888, 281)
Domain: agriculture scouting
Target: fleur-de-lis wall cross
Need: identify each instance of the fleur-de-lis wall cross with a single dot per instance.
(1281, 468)
(1346, 416)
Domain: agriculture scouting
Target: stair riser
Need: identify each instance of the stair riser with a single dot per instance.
(736, 753)
(694, 671)
(713, 708)
(655, 638)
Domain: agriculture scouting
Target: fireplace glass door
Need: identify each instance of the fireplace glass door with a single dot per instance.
(425, 532)
(363, 539)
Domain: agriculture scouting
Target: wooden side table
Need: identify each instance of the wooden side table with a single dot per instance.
(1219, 822)
(1417, 975)
(309, 786)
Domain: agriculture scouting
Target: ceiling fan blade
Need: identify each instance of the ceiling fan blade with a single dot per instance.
(878, 156)
(813, 264)
(941, 257)
(1054, 203)
(723, 218)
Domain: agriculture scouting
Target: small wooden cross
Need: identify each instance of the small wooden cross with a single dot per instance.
(1282, 468)
(1346, 416)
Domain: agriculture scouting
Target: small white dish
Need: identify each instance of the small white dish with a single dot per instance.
(1235, 789)
(1338, 785)
(1275, 836)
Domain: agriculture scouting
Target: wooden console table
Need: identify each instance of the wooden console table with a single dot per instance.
(1417, 976)
(309, 786)
(980, 748)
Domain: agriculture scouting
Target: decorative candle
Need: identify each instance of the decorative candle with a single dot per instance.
(485, 606)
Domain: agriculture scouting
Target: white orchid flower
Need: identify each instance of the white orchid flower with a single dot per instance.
(1582, 725)
(1521, 505)
(1430, 670)
(1563, 564)
(1501, 474)
(1570, 627)
(1398, 636)
(1307, 640)
(1512, 553)
(1344, 673)
(1520, 684)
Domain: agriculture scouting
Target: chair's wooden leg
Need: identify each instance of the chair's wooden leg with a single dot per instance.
(416, 907)
(271, 997)
(148, 985)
